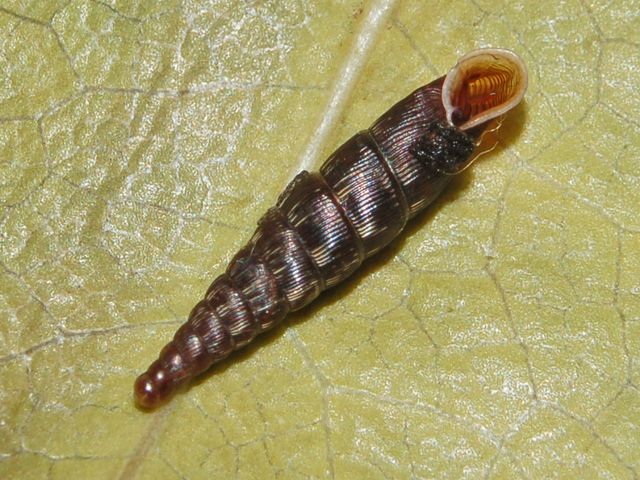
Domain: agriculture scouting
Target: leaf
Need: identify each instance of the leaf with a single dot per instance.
(141, 141)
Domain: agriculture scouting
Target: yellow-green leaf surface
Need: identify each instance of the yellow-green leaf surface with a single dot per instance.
(141, 140)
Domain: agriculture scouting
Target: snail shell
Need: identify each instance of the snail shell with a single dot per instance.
(325, 224)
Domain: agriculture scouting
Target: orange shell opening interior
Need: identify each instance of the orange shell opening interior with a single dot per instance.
(483, 86)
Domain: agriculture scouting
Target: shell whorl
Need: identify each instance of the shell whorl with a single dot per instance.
(324, 225)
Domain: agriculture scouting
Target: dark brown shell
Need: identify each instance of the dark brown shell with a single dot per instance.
(322, 228)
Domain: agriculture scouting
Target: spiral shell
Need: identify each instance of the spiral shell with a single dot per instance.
(325, 224)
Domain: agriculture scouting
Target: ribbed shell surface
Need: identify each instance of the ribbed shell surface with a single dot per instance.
(324, 225)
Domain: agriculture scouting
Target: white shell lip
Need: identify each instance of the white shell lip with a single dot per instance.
(476, 59)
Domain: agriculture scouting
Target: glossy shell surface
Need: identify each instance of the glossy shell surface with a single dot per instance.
(326, 223)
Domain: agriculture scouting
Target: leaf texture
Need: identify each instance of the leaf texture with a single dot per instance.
(140, 141)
